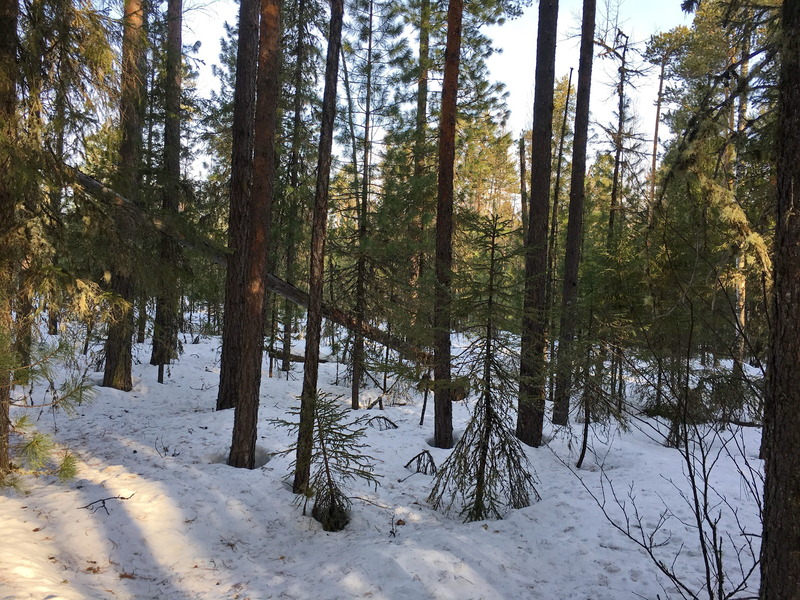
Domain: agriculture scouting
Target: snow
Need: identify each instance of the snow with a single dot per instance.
(179, 523)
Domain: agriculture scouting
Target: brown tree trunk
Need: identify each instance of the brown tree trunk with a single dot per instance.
(308, 397)
(165, 327)
(532, 372)
(234, 323)
(9, 12)
(442, 396)
(577, 192)
(780, 543)
(118, 353)
(248, 382)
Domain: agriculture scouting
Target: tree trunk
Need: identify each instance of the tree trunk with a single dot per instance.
(165, 327)
(9, 12)
(532, 375)
(659, 101)
(551, 247)
(616, 182)
(418, 181)
(740, 262)
(523, 188)
(308, 397)
(248, 382)
(234, 324)
(442, 397)
(141, 318)
(780, 544)
(294, 181)
(361, 264)
(118, 353)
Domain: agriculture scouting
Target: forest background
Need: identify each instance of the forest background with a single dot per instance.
(632, 281)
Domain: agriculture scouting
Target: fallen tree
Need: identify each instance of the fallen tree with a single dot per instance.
(76, 177)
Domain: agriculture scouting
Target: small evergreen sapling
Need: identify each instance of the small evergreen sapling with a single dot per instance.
(61, 379)
(336, 459)
(488, 472)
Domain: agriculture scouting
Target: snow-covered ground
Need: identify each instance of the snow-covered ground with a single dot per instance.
(179, 523)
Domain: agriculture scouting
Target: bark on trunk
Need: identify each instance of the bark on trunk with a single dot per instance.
(248, 383)
(442, 392)
(780, 546)
(530, 415)
(165, 327)
(9, 11)
(577, 192)
(118, 354)
(238, 220)
(308, 396)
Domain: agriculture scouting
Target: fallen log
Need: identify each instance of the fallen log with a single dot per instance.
(278, 355)
(274, 284)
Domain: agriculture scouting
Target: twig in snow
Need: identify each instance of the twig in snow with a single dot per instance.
(102, 503)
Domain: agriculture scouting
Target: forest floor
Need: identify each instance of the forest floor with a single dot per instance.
(177, 523)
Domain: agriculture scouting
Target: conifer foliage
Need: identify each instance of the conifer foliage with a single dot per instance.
(488, 472)
(337, 458)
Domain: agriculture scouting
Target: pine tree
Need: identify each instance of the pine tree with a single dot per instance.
(118, 351)
(9, 10)
(532, 375)
(569, 295)
(369, 60)
(780, 548)
(238, 220)
(301, 66)
(488, 471)
(316, 276)
(165, 328)
(443, 393)
(243, 444)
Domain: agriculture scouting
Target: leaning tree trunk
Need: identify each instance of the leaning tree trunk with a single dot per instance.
(165, 328)
(308, 397)
(248, 381)
(442, 397)
(780, 543)
(532, 372)
(239, 220)
(118, 354)
(577, 192)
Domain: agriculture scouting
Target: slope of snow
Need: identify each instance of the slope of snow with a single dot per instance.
(178, 523)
